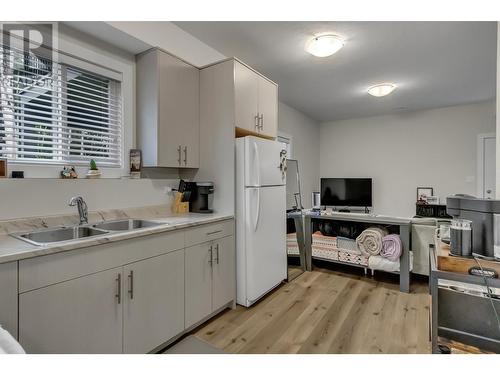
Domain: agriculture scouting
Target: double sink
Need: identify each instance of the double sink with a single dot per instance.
(60, 234)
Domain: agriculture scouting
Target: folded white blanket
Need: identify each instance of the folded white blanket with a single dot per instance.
(8, 345)
(370, 240)
(377, 262)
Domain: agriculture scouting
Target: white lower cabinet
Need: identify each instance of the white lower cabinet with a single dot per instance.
(82, 315)
(8, 297)
(198, 283)
(153, 302)
(69, 303)
(223, 280)
(210, 278)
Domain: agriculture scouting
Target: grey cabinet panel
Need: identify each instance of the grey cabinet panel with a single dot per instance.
(168, 123)
(268, 107)
(224, 278)
(198, 283)
(246, 93)
(209, 232)
(8, 297)
(153, 302)
(82, 315)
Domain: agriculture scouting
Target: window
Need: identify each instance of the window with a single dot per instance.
(54, 113)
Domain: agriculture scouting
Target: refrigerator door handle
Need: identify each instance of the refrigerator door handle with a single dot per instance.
(257, 215)
(257, 162)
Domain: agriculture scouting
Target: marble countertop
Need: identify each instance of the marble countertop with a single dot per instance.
(13, 249)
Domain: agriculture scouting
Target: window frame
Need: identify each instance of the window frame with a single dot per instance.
(44, 168)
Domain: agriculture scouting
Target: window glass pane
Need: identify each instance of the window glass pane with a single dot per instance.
(56, 113)
(34, 138)
(88, 107)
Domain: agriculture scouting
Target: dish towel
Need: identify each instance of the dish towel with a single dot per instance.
(391, 247)
(370, 240)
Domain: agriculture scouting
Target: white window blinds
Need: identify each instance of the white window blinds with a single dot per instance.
(57, 114)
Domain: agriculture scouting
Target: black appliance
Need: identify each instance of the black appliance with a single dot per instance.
(346, 192)
(202, 196)
(481, 213)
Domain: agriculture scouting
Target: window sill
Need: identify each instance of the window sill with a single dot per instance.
(53, 171)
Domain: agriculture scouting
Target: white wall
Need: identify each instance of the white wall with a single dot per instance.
(305, 147)
(400, 152)
(45, 197)
(171, 38)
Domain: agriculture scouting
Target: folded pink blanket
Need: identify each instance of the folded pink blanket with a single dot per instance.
(391, 247)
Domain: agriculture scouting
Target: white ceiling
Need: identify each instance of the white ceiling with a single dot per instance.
(435, 64)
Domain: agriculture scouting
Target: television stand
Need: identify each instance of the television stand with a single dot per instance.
(404, 232)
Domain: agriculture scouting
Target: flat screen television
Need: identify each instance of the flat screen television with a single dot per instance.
(346, 192)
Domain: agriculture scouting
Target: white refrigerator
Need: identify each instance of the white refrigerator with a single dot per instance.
(261, 260)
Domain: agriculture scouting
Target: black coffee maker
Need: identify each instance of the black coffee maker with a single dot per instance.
(202, 197)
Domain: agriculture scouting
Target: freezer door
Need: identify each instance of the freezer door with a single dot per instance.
(265, 239)
(262, 162)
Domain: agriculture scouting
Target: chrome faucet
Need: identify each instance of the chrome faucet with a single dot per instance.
(82, 209)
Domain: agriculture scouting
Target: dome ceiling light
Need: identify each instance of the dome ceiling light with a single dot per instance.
(324, 45)
(381, 89)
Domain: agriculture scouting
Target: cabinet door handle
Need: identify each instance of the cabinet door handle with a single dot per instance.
(261, 121)
(214, 232)
(217, 253)
(131, 284)
(118, 295)
(256, 121)
(185, 155)
(210, 261)
(179, 151)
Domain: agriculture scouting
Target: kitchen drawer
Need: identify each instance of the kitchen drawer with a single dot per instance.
(209, 232)
(45, 270)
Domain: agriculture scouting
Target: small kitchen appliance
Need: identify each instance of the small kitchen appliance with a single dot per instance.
(461, 237)
(202, 196)
(481, 214)
(316, 200)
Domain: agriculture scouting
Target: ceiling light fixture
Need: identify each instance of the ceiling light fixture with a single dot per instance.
(324, 45)
(382, 89)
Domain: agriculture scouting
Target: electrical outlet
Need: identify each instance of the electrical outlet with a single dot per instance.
(469, 179)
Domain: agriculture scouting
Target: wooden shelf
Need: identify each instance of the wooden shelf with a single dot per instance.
(239, 132)
(450, 263)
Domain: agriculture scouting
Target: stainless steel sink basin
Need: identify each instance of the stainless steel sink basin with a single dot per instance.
(45, 236)
(125, 224)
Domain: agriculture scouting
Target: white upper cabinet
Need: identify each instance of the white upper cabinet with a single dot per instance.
(256, 102)
(167, 111)
(246, 95)
(268, 108)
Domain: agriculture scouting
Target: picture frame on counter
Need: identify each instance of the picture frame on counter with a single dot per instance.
(3, 168)
(135, 163)
(423, 193)
(432, 200)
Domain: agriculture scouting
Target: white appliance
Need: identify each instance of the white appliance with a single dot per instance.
(261, 260)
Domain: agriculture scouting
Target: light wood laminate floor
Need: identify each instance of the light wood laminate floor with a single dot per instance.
(327, 311)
